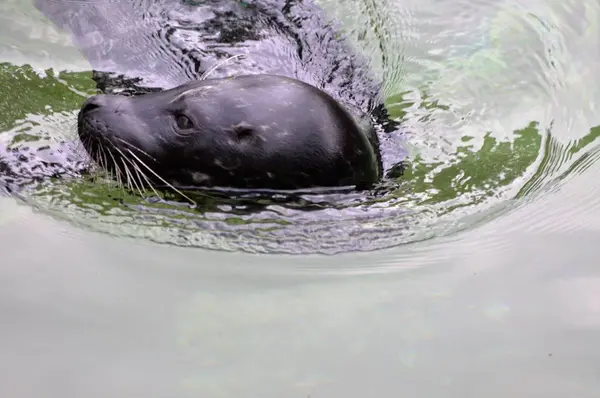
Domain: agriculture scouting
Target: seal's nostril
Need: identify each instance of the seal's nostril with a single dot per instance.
(91, 104)
(89, 107)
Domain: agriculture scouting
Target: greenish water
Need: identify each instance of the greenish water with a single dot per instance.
(439, 194)
(477, 276)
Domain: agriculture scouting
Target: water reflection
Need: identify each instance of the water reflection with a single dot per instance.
(480, 124)
(506, 307)
(489, 124)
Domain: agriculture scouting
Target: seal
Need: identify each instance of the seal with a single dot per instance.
(233, 93)
(251, 131)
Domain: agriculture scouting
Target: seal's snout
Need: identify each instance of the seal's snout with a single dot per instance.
(94, 117)
(94, 102)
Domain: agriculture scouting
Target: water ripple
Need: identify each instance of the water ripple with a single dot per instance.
(499, 113)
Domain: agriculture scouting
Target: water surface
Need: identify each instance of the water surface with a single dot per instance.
(480, 276)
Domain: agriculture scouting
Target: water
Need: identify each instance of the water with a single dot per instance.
(489, 288)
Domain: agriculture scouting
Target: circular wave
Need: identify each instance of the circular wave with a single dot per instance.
(486, 123)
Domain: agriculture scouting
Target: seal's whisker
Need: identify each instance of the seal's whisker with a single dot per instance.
(218, 65)
(129, 178)
(125, 180)
(160, 178)
(141, 174)
(204, 77)
(102, 158)
(95, 158)
(118, 172)
(77, 146)
(118, 169)
(99, 159)
(125, 161)
(131, 181)
(79, 152)
(102, 161)
(138, 181)
(136, 148)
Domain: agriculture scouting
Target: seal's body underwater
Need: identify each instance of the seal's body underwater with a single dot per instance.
(242, 94)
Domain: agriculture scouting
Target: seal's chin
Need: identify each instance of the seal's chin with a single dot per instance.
(113, 137)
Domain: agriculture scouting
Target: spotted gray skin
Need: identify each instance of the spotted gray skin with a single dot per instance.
(146, 46)
(275, 133)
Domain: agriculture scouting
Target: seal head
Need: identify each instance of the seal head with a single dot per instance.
(252, 131)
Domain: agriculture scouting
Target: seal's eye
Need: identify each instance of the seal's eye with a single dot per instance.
(183, 122)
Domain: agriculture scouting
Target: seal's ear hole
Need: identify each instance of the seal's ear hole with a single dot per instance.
(183, 122)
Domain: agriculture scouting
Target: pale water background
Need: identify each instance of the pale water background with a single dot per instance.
(500, 299)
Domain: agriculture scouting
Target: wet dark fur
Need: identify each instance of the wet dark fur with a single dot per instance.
(140, 46)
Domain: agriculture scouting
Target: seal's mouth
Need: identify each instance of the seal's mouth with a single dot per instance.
(125, 162)
(110, 132)
(94, 137)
